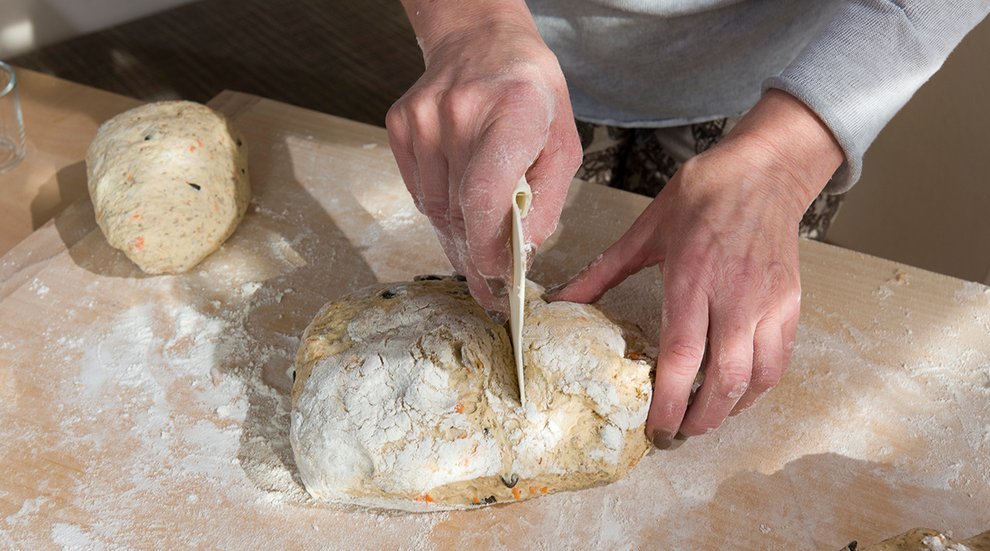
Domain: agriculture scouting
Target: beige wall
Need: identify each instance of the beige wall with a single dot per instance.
(27, 24)
(924, 198)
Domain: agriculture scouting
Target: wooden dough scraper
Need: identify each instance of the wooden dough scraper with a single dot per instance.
(521, 197)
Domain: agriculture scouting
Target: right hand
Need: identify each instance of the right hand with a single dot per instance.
(491, 107)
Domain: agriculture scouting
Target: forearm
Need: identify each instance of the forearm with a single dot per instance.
(435, 20)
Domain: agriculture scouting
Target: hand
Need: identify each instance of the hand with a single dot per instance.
(724, 234)
(491, 106)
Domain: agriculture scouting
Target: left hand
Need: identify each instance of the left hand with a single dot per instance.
(724, 234)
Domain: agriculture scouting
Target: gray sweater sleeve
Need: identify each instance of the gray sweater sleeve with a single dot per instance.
(868, 62)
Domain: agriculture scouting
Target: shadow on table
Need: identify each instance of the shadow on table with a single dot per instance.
(832, 500)
(68, 186)
(817, 501)
(286, 260)
(76, 226)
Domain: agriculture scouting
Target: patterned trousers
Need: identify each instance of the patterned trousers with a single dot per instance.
(643, 160)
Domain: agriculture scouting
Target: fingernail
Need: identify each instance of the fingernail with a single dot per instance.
(664, 440)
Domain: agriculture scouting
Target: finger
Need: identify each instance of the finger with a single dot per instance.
(481, 205)
(490, 292)
(768, 363)
(550, 177)
(451, 251)
(400, 142)
(773, 345)
(431, 166)
(623, 258)
(433, 178)
(683, 329)
(729, 369)
(504, 154)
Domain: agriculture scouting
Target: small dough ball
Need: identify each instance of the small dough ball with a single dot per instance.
(169, 183)
(405, 397)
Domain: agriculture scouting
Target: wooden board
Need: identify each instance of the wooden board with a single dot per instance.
(151, 411)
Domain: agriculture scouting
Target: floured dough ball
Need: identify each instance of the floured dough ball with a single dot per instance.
(405, 397)
(169, 183)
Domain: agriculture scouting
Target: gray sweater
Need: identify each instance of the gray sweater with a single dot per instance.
(656, 63)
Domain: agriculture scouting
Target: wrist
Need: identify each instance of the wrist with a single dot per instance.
(803, 148)
(438, 22)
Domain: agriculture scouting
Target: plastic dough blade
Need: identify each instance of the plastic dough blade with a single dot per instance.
(521, 197)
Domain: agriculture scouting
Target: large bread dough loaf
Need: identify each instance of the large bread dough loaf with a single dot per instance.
(405, 397)
(169, 183)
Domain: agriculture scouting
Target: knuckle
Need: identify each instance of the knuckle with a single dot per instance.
(523, 90)
(395, 121)
(459, 104)
(733, 380)
(421, 109)
(455, 218)
(684, 356)
(782, 281)
(766, 378)
(435, 208)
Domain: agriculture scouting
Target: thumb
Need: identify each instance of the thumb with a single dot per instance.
(630, 254)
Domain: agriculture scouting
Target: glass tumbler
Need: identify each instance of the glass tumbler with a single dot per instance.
(11, 120)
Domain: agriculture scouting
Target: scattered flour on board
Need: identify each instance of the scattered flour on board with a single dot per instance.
(181, 404)
(184, 398)
(971, 290)
(39, 288)
(178, 397)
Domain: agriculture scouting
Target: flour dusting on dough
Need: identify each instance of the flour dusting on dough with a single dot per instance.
(405, 397)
